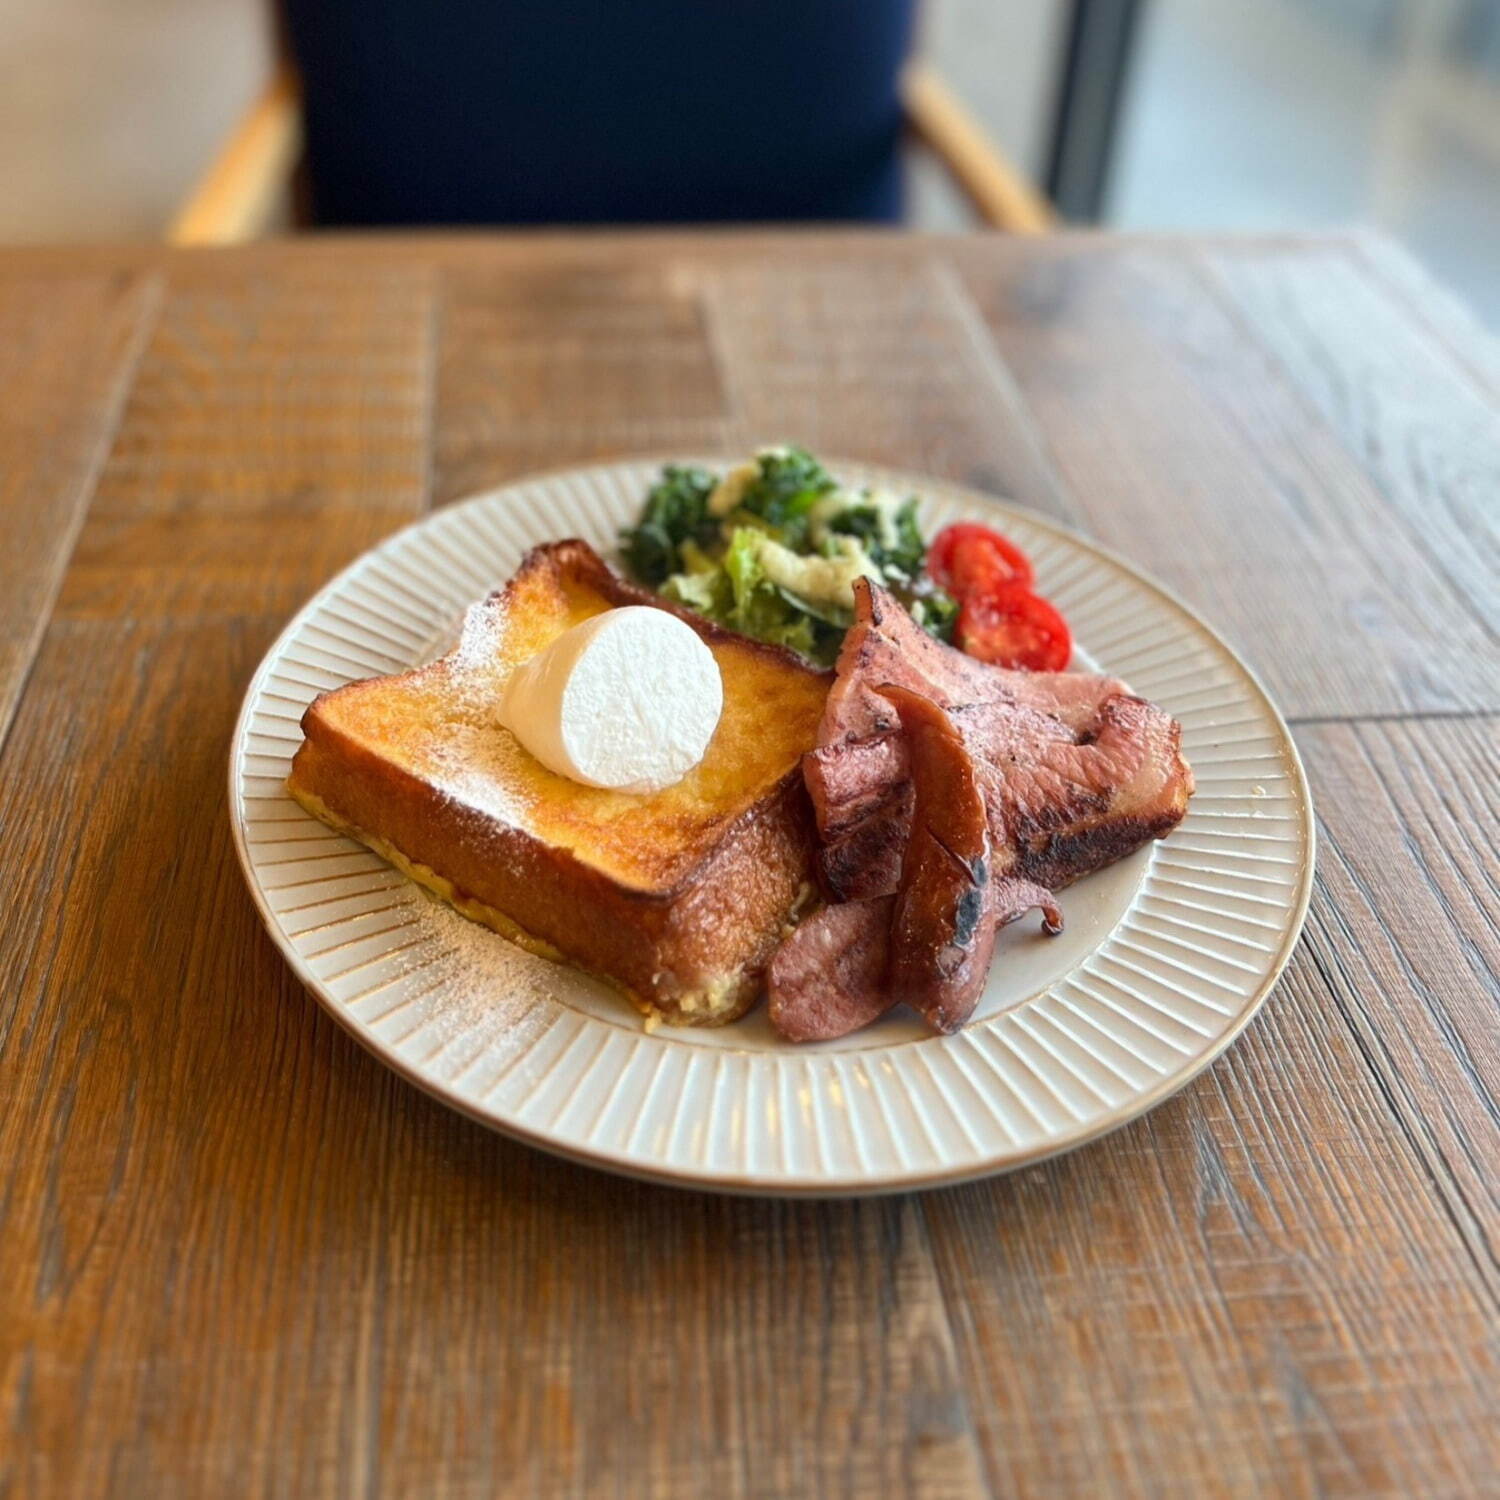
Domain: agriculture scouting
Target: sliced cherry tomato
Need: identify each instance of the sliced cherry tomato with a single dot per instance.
(967, 558)
(1012, 627)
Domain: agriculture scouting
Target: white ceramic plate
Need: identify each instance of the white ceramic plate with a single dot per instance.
(1165, 958)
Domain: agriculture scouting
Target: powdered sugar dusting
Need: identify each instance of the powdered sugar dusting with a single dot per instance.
(485, 999)
(478, 766)
(473, 760)
(482, 638)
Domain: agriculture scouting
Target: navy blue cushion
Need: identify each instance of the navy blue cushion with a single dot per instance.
(601, 111)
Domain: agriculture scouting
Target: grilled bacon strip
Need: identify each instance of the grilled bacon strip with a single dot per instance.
(929, 945)
(942, 926)
(885, 645)
(1058, 809)
(828, 978)
(1069, 788)
(952, 797)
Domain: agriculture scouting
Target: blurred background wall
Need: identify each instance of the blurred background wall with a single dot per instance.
(110, 108)
(1234, 114)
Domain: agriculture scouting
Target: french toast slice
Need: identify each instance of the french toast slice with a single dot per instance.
(679, 897)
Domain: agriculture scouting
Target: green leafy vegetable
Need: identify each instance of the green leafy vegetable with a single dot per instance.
(760, 608)
(791, 481)
(717, 565)
(708, 593)
(910, 550)
(902, 554)
(935, 611)
(742, 568)
(676, 513)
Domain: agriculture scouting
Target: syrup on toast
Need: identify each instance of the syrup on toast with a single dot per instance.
(679, 897)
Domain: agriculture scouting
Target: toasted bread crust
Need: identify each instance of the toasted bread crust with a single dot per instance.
(685, 930)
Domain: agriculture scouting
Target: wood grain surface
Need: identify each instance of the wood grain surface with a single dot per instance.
(239, 1257)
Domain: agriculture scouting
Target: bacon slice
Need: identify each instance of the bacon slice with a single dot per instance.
(953, 797)
(1069, 810)
(1058, 810)
(942, 926)
(1068, 791)
(849, 779)
(885, 645)
(828, 978)
(931, 944)
(864, 863)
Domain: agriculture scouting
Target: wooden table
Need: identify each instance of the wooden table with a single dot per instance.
(238, 1257)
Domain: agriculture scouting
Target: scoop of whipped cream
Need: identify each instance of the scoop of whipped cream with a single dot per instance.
(627, 700)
